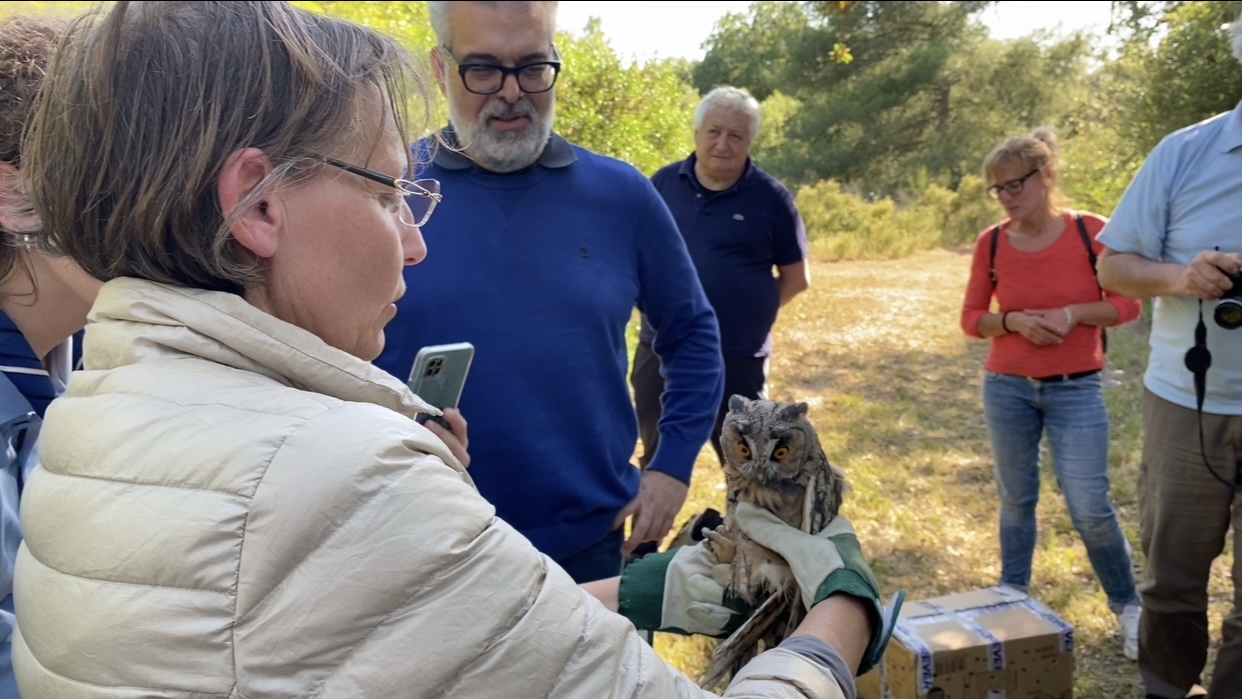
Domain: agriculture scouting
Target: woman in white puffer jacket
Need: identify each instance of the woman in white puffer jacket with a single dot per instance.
(233, 502)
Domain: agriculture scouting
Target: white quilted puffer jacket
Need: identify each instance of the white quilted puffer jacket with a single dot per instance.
(227, 507)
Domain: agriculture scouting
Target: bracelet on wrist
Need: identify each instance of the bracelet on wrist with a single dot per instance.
(1004, 323)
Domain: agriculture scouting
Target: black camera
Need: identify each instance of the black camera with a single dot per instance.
(1228, 313)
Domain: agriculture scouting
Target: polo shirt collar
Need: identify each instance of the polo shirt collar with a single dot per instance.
(556, 154)
(686, 169)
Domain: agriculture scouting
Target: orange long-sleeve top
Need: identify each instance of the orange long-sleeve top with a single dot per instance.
(1057, 276)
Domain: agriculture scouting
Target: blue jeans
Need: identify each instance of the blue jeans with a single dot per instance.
(1019, 411)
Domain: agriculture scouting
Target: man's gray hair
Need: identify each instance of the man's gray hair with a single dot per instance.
(734, 99)
(439, 11)
(1236, 30)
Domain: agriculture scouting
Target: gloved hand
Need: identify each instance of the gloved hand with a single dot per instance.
(675, 592)
(825, 564)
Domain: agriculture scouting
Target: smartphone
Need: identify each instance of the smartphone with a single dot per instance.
(439, 376)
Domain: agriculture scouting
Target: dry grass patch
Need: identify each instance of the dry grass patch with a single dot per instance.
(876, 349)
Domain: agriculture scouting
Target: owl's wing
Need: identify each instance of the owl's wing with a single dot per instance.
(764, 628)
(823, 498)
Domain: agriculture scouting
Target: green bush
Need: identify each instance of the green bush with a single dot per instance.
(970, 213)
(842, 226)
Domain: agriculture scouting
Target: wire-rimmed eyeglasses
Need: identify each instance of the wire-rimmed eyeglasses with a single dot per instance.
(489, 78)
(421, 196)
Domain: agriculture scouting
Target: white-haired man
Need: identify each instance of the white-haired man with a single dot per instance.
(749, 248)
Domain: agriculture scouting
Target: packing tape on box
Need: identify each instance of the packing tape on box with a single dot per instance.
(905, 632)
(996, 647)
(886, 692)
(1064, 630)
(912, 641)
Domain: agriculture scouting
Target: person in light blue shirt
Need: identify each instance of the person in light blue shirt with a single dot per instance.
(43, 304)
(1176, 237)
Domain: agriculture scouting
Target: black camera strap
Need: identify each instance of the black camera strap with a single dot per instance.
(1198, 361)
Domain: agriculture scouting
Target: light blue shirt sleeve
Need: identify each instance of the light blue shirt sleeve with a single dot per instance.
(10, 539)
(19, 428)
(10, 525)
(17, 458)
(1140, 223)
(1183, 201)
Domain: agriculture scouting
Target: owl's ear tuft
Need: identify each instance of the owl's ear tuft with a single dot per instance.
(793, 412)
(737, 403)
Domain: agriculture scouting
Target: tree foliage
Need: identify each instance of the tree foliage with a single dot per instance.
(926, 94)
(37, 8)
(753, 49)
(897, 101)
(1136, 21)
(639, 113)
(1189, 76)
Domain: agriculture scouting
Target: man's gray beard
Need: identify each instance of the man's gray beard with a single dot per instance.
(503, 152)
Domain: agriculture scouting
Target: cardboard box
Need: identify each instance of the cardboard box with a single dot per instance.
(994, 643)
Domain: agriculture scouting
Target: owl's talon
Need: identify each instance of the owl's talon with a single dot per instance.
(719, 542)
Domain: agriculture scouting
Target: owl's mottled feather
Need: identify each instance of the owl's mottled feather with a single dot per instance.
(773, 459)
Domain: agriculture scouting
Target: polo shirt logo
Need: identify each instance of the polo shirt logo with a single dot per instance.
(584, 253)
(738, 217)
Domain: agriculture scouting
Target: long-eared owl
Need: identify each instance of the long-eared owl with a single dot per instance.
(772, 459)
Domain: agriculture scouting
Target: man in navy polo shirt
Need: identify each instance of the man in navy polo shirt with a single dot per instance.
(739, 224)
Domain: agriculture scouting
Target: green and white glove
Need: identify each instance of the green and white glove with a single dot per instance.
(675, 592)
(825, 564)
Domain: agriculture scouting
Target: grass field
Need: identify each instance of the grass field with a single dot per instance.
(893, 386)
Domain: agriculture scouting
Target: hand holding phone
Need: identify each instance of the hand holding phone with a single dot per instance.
(439, 376)
(454, 435)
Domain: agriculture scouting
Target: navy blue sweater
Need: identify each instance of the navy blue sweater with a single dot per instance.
(542, 270)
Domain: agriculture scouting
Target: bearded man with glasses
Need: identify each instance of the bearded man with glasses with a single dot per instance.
(539, 256)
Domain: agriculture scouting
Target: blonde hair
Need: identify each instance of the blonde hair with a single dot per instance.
(1039, 150)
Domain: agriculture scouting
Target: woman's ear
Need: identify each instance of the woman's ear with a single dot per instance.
(257, 225)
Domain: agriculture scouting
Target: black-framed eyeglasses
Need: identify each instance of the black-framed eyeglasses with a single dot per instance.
(1013, 187)
(489, 78)
(420, 196)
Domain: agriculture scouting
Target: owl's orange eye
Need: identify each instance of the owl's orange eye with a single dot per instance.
(780, 453)
(743, 450)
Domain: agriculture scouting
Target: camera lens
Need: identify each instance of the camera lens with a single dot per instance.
(1228, 314)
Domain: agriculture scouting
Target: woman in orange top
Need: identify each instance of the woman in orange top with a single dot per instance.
(1043, 369)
